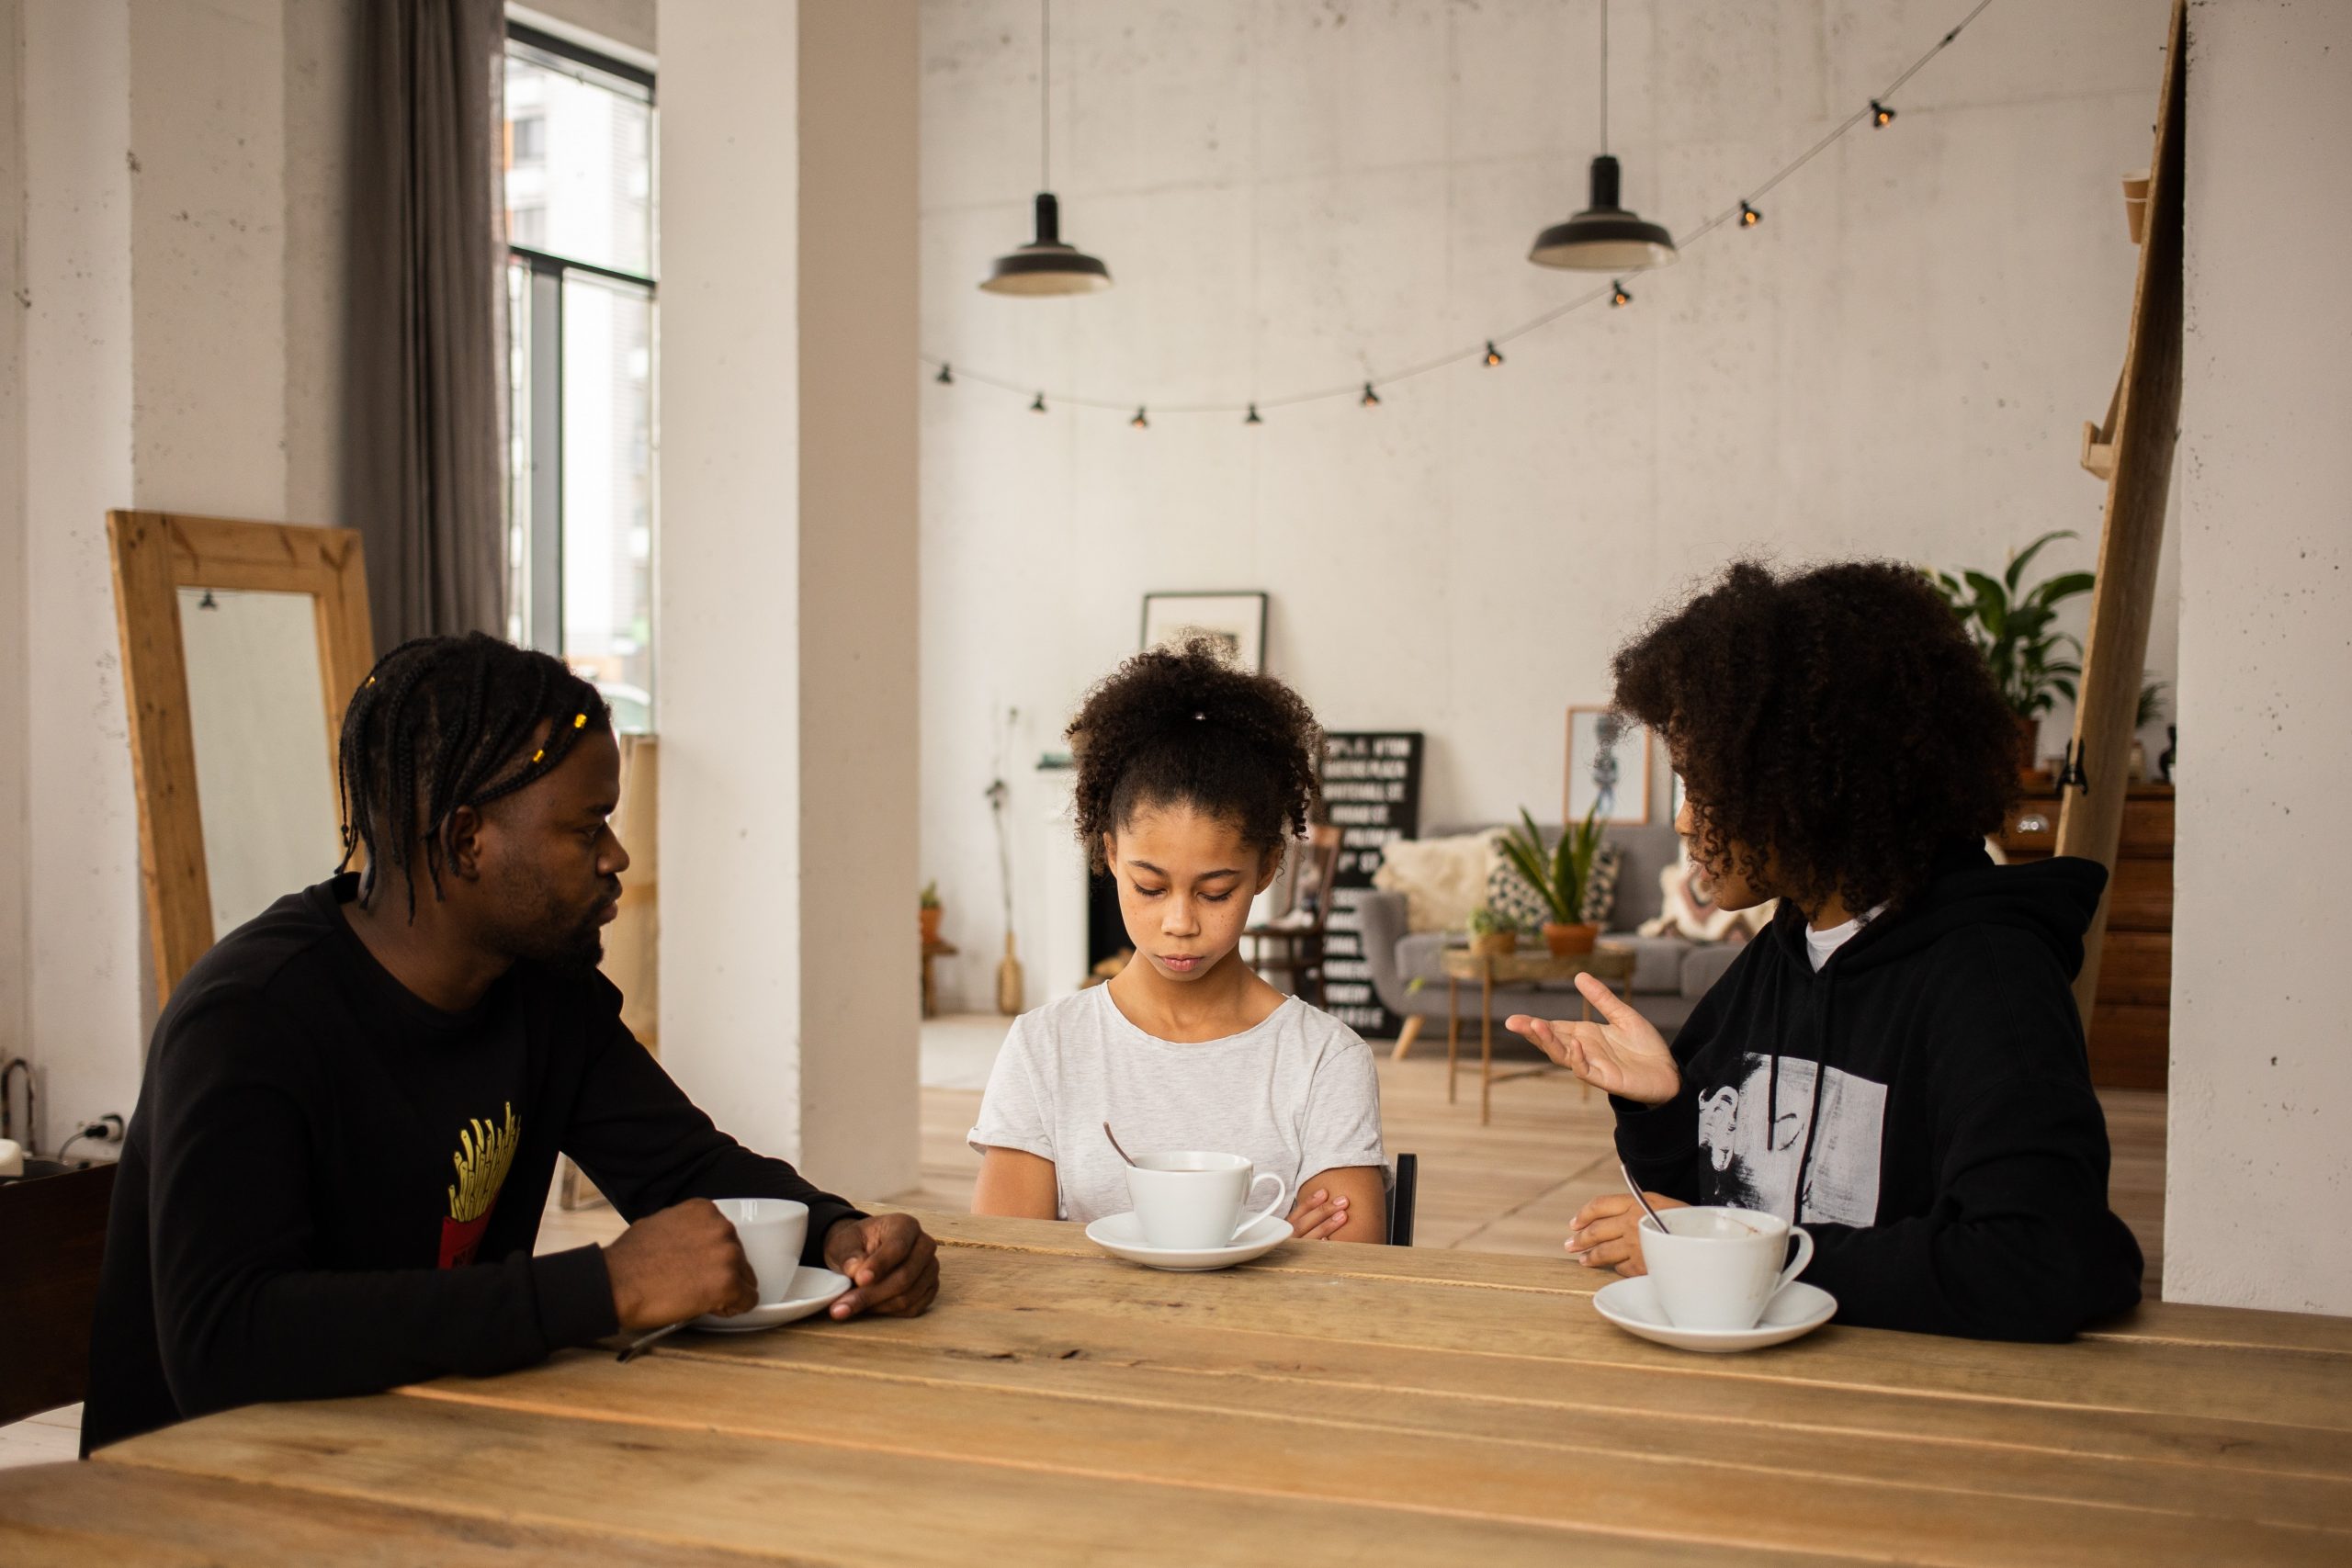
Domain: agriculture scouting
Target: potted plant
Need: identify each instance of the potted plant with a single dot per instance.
(928, 903)
(1490, 933)
(2012, 627)
(1559, 877)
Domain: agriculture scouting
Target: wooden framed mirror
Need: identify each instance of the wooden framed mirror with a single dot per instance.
(240, 644)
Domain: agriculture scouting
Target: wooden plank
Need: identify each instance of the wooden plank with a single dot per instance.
(840, 1500)
(105, 1516)
(1085, 1400)
(2145, 428)
(2130, 1044)
(162, 746)
(2139, 968)
(2139, 897)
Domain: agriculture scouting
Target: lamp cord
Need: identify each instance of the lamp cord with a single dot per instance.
(1045, 94)
(1604, 78)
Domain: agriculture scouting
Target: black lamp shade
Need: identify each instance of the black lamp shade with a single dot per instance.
(1046, 265)
(1604, 237)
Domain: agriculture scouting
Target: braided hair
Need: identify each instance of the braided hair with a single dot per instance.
(443, 722)
(1182, 727)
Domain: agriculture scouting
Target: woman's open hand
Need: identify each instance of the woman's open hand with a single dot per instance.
(1622, 1055)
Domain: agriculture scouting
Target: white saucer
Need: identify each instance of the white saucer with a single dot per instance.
(812, 1291)
(1122, 1235)
(1796, 1310)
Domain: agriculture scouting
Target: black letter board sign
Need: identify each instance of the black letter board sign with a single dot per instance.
(1372, 793)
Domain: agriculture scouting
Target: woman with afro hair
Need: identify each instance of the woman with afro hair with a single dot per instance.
(1896, 1062)
(1193, 777)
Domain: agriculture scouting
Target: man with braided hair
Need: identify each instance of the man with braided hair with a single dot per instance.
(354, 1103)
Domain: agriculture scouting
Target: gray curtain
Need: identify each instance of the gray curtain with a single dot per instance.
(425, 336)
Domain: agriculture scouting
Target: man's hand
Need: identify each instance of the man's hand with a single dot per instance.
(893, 1267)
(677, 1264)
(1606, 1231)
(1624, 1055)
(1317, 1216)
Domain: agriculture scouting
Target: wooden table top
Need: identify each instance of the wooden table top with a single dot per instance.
(1608, 959)
(1328, 1404)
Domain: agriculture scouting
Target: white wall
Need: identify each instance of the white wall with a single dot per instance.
(175, 169)
(788, 583)
(1898, 361)
(2260, 1079)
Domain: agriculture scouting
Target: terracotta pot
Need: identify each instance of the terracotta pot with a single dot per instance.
(1495, 943)
(930, 923)
(1566, 941)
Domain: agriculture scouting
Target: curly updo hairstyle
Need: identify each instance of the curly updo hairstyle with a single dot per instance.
(1181, 727)
(1836, 720)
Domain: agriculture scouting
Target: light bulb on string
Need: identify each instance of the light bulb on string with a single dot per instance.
(946, 378)
(1251, 418)
(1880, 114)
(1493, 356)
(1371, 398)
(1139, 421)
(1618, 298)
(1039, 406)
(1749, 216)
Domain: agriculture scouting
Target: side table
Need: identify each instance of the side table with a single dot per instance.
(1611, 963)
(934, 948)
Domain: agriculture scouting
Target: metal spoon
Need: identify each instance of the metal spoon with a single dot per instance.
(1115, 1143)
(639, 1345)
(1635, 1188)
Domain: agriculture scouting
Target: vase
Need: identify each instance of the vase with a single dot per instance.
(1494, 944)
(930, 916)
(1567, 941)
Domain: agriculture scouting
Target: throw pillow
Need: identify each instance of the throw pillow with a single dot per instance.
(1688, 910)
(1514, 897)
(1442, 879)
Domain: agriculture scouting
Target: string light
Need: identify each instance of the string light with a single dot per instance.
(1875, 110)
(1039, 406)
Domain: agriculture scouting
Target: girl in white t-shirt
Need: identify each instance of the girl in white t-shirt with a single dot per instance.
(1193, 777)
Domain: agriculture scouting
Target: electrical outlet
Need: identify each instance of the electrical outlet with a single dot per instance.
(107, 1129)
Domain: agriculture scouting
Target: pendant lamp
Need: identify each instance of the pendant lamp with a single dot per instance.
(1604, 237)
(1047, 265)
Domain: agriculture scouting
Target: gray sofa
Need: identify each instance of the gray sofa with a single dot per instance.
(1669, 974)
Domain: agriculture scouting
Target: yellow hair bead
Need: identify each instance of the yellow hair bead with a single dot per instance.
(580, 721)
(538, 755)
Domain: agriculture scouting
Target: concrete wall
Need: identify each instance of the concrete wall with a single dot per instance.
(2260, 1079)
(174, 169)
(1897, 361)
(787, 583)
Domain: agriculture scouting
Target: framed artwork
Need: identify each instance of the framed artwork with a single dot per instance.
(1235, 622)
(1608, 762)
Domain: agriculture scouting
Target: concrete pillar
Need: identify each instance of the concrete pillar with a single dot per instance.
(2255, 1168)
(788, 648)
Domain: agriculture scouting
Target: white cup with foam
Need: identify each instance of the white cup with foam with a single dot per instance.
(1718, 1268)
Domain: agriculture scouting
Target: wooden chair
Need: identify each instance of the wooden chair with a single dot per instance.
(1403, 1194)
(1298, 944)
(55, 1228)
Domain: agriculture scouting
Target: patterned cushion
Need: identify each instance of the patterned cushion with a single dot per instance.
(1514, 897)
(1441, 878)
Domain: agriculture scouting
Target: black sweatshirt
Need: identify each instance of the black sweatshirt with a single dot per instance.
(331, 1188)
(1953, 1160)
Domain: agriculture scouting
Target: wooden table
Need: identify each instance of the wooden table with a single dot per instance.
(1608, 962)
(933, 947)
(1331, 1405)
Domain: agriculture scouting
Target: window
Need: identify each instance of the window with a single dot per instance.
(580, 301)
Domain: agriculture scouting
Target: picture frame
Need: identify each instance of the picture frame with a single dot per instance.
(1237, 621)
(1602, 749)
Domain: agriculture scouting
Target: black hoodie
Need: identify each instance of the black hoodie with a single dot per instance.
(1953, 1160)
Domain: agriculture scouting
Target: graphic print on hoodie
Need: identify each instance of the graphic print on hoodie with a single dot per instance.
(1921, 1104)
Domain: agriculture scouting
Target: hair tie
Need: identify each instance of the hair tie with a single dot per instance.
(1200, 717)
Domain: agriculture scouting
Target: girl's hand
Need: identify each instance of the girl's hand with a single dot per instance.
(1606, 1231)
(1624, 1055)
(1317, 1216)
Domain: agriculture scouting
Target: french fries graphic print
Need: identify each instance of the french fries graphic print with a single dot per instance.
(483, 1154)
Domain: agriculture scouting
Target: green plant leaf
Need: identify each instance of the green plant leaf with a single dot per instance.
(2018, 562)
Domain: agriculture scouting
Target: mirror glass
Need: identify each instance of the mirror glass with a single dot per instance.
(258, 710)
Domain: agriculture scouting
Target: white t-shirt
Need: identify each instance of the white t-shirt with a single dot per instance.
(1297, 1094)
(1819, 945)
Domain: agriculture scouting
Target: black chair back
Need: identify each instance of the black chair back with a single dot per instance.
(1402, 1193)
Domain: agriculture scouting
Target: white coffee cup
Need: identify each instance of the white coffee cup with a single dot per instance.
(1190, 1201)
(773, 1231)
(1718, 1268)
